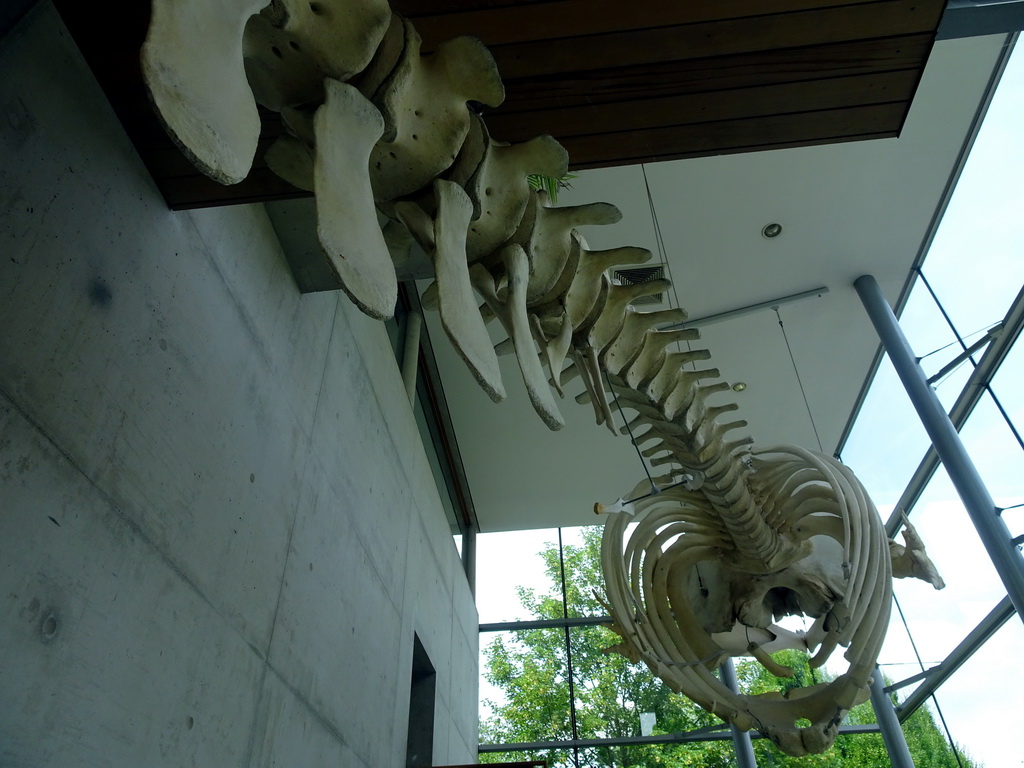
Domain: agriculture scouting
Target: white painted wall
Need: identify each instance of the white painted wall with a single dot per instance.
(218, 527)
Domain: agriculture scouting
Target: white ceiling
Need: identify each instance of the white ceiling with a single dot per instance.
(846, 210)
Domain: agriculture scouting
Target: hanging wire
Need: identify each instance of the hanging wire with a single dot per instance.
(663, 253)
(799, 381)
(938, 382)
(986, 329)
(935, 701)
(656, 490)
(658, 238)
(629, 429)
(986, 385)
(568, 652)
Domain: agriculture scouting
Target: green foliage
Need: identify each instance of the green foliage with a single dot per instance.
(550, 184)
(531, 669)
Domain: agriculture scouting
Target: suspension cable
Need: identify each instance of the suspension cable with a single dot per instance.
(663, 254)
(935, 701)
(986, 385)
(799, 381)
(629, 430)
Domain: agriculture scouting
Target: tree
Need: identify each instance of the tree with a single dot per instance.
(531, 670)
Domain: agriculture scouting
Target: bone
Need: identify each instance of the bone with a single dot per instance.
(583, 292)
(192, 67)
(470, 158)
(410, 260)
(628, 344)
(548, 241)
(555, 348)
(341, 36)
(651, 638)
(612, 316)
(687, 391)
(424, 103)
(910, 560)
(293, 161)
(513, 317)
(698, 564)
(279, 72)
(455, 300)
(347, 126)
(671, 364)
(587, 361)
(385, 59)
(500, 190)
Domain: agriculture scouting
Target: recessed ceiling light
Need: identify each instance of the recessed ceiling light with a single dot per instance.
(771, 230)
(739, 386)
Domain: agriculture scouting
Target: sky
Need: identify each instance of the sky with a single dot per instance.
(976, 268)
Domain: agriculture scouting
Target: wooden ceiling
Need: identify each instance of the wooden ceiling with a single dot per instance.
(616, 83)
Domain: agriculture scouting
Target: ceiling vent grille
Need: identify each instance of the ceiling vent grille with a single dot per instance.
(638, 275)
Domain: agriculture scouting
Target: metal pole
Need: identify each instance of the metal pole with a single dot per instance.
(975, 496)
(411, 353)
(713, 733)
(956, 361)
(571, 621)
(889, 725)
(750, 309)
(740, 739)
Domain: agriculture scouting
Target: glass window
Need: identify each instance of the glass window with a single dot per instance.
(511, 574)
(616, 698)
(524, 687)
(887, 441)
(992, 670)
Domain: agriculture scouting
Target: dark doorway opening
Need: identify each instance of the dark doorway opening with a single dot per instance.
(419, 751)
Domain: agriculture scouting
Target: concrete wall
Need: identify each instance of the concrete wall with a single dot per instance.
(218, 528)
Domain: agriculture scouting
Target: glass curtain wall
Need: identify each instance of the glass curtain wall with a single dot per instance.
(973, 273)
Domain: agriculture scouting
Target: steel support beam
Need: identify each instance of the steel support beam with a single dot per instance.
(938, 674)
(889, 725)
(970, 395)
(572, 621)
(994, 534)
(718, 317)
(740, 739)
(711, 733)
(960, 359)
